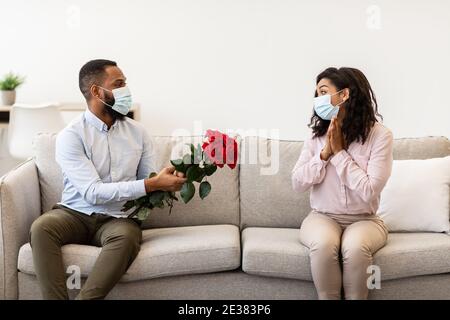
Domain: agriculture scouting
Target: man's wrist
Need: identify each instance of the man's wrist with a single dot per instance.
(151, 184)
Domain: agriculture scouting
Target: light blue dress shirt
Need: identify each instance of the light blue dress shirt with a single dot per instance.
(102, 168)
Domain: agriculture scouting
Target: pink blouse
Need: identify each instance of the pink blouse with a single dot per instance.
(349, 182)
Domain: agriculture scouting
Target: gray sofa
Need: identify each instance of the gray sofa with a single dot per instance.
(241, 242)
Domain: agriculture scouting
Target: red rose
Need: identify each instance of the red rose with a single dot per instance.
(221, 149)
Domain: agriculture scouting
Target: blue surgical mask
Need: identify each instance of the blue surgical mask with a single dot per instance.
(122, 100)
(324, 108)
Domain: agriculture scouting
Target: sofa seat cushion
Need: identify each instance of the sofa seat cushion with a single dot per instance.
(278, 252)
(275, 252)
(414, 254)
(164, 252)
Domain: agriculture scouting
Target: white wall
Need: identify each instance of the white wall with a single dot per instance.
(237, 64)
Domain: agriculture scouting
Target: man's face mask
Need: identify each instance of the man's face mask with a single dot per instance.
(122, 100)
(324, 108)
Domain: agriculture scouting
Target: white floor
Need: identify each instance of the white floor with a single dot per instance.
(6, 161)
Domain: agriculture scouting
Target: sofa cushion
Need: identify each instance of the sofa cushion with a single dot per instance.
(164, 252)
(417, 202)
(220, 207)
(414, 254)
(267, 198)
(421, 148)
(277, 252)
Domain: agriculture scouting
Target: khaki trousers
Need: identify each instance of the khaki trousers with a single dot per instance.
(119, 238)
(354, 238)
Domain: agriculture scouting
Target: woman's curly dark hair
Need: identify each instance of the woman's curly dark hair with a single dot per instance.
(361, 108)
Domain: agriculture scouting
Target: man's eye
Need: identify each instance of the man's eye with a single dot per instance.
(323, 92)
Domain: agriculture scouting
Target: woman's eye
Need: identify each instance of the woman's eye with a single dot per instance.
(323, 92)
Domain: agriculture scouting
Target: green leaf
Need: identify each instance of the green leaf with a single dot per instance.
(201, 176)
(179, 165)
(135, 211)
(187, 191)
(210, 169)
(140, 200)
(192, 173)
(128, 205)
(156, 198)
(187, 159)
(11, 81)
(143, 213)
(205, 189)
(176, 162)
(173, 196)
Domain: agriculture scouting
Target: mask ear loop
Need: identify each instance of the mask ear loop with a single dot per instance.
(101, 99)
(341, 101)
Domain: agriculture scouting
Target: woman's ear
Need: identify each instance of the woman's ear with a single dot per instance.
(346, 94)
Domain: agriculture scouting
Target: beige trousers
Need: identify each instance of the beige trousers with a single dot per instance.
(355, 238)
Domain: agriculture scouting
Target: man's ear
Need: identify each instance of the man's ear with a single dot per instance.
(95, 92)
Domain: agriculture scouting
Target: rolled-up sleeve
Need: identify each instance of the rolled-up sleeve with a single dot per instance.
(367, 184)
(310, 169)
(81, 173)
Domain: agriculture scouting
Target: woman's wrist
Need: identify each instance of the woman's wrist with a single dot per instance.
(325, 155)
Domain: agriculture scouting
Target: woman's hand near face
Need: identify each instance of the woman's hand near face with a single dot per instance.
(337, 141)
(326, 152)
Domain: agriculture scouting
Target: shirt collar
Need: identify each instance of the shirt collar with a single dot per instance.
(95, 121)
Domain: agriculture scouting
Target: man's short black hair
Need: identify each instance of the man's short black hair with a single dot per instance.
(93, 72)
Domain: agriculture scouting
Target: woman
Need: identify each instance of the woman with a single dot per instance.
(347, 163)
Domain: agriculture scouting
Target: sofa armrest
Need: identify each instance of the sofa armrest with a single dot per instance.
(20, 205)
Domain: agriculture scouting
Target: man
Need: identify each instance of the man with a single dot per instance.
(106, 159)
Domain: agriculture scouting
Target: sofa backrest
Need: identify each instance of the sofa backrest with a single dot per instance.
(220, 207)
(243, 196)
(269, 201)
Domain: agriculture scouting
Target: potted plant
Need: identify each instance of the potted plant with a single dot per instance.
(8, 87)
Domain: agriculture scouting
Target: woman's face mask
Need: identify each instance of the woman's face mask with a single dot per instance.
(324, 108)
(122, 100)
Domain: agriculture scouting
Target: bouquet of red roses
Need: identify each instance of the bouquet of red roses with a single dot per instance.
(202, 161)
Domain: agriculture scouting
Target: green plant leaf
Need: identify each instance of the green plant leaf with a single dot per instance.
(187, 191)
(128, 205)
(176, 162)
(11, 81)
(187, 160)
(205, 189)
(143, 213)
(193, 173)
(210, 169)
(201, 176)
(140, 201)
(173, 196)
(179, 165)
(156, 198)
